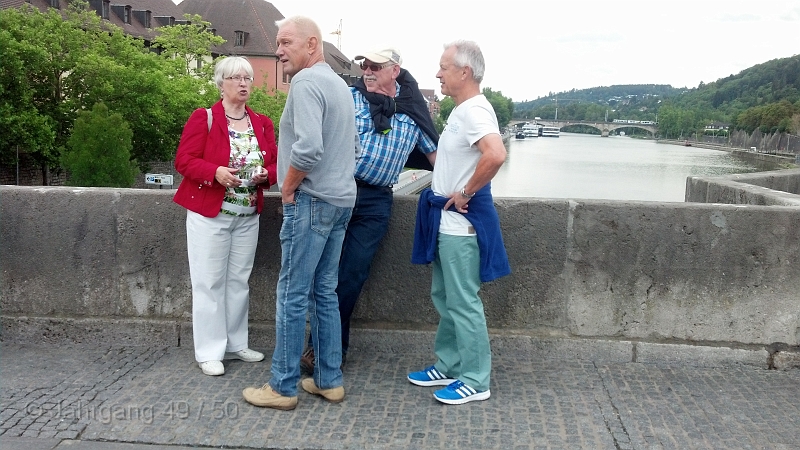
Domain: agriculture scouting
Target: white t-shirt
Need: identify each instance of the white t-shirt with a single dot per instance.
(457, 156)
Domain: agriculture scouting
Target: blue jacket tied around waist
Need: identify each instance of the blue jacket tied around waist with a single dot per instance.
(483, 217)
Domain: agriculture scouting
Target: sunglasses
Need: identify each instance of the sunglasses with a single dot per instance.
(375, 67)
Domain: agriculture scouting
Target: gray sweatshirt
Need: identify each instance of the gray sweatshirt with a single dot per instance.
(318, 136)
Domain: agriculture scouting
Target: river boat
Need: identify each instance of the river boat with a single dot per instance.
(530, 130)
(550, 131)
(520, 135)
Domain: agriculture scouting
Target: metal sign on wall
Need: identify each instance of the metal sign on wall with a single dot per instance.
(158, 178)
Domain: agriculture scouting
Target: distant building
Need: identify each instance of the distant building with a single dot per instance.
(139, 18)
(249, 28)
(345, 68)
(717, 126)
(430, 99)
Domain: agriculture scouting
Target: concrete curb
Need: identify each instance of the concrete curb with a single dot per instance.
(137, 332)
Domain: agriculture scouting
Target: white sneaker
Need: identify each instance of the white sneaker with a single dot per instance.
(213, 368)
(245, 355)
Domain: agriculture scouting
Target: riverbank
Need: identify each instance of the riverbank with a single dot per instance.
(780, 160)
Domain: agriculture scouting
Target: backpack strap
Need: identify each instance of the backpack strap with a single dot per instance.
(210, 118)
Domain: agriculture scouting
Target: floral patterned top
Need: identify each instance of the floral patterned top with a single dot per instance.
(245, 156)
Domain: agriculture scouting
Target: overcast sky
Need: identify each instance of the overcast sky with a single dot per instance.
(535, 47)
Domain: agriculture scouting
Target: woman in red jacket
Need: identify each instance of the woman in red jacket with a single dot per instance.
(227, 159)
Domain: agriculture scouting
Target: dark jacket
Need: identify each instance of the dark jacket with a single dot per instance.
(410, 102)
(483, 217)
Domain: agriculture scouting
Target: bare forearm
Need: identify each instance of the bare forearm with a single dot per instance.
(431, 158)
(290, 184)
(493, 155)
(484, 172)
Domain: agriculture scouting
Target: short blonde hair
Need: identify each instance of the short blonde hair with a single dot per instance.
(231, 66)
(305, 27)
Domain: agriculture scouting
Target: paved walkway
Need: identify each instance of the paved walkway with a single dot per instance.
(137, 398)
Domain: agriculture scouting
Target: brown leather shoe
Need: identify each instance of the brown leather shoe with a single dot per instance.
(267, 397)
(333, 395)
(307, 361)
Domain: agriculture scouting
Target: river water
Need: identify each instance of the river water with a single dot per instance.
(580, 166)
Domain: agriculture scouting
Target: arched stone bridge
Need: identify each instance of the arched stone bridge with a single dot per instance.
(604, 127)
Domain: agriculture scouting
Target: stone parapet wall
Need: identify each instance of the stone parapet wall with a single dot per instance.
(78, 263)
(778, 187)
(26, 173)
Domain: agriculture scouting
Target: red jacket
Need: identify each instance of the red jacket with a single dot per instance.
(201, 152)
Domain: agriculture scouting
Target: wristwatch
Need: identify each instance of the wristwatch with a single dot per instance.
(465, 195)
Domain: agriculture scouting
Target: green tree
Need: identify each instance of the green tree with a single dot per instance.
(268, 102)
(21, 124)
(100, 150)
(774, 115)
(503, 106)
(46, 48)
(795, 123)
(768, 118)
(187, 44)
(675, 122)
(154, 103)
(446, 106)
(56, 66)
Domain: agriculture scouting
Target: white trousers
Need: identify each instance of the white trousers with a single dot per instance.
(221, 252)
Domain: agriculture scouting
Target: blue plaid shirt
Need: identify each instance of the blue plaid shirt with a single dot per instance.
(383, 155)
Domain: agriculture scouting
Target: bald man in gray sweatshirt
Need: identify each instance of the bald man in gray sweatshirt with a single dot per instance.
(317, 150)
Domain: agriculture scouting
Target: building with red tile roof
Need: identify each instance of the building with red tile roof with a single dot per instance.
(248, 26)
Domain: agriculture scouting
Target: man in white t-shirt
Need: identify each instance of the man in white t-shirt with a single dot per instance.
(458, 230)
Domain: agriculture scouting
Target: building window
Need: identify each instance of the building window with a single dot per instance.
(54, 4)
(142, 16)
(239, 40)
(105, 9)
(287, 78)
(165, 20)
(123, 12)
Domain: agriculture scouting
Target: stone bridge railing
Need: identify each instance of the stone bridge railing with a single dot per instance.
(718, 278)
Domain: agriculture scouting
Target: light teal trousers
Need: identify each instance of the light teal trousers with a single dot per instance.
(462, 339)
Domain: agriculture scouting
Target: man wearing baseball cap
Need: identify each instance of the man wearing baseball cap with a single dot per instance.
(382, 56)
(396, 131)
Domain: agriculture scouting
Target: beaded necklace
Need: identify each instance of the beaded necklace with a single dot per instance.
(229, 118)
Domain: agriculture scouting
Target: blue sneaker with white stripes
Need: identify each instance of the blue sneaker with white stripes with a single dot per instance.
(429, 377)
(458, 393)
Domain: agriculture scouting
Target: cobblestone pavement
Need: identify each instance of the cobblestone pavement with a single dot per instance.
(133, 398)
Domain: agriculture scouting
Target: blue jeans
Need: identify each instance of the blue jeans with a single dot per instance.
(367, 226)
(311, 244)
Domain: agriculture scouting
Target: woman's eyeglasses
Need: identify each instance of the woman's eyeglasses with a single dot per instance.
(375, 67)
(239, 79)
